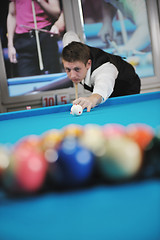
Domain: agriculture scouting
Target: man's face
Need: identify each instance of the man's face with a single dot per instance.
(76, 71)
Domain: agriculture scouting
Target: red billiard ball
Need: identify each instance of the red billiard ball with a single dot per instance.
(70, 166)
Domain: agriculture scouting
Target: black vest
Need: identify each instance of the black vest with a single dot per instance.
(127, 81)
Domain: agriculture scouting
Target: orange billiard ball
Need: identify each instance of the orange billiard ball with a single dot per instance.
(141, 133)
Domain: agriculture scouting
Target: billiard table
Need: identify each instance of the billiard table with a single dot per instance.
(128, 211)
(24, 85)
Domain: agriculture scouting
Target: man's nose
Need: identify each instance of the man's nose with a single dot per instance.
(72, 74)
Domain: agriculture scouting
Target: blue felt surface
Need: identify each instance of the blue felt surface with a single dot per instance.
(124, 212)
(142, 108)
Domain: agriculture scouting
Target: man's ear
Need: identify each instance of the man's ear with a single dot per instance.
(89, 63)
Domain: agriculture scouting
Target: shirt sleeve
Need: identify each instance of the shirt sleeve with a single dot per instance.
(103, 80)
(69, 37)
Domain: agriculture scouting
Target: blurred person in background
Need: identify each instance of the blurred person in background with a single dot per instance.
(22, 44)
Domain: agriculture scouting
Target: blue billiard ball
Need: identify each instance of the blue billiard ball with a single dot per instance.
(72, 165)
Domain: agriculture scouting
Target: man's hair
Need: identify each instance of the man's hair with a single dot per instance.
(76, 51)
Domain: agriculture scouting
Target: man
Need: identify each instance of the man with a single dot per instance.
(104, 74)
(22, 45)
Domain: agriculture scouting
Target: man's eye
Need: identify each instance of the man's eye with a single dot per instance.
(77, 69)
(68, 70)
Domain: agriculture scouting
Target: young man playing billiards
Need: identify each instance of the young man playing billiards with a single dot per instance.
(105, 75)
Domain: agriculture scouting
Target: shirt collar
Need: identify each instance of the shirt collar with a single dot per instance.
(87, 80)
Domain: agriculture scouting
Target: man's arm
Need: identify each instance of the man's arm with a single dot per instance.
(140, 38)
(108, 12)
(51, 7)
(59, 25)
(11, 25)
(104, 81)
(89, 102)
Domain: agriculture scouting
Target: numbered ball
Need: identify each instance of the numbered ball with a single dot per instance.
(113, 129)
(76, 110)
(140, 133)
(70, 166)
(51, 139)
(72, 130)
(122, 159)
(93, 139)
(27, 168)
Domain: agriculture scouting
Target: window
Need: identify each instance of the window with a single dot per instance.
(122, 28)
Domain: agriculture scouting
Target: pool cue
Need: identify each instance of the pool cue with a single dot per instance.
(38, 29)
(76, 90)
(123, 29)
(37, 38)
(114, 45)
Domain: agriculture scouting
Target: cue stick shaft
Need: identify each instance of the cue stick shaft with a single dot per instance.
(76, 90)
(123, 29)
(37, 38)
(38, 29)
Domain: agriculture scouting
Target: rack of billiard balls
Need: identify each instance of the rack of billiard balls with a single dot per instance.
(75, 156)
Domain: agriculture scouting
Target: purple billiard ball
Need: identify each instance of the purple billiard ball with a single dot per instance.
(72, 165)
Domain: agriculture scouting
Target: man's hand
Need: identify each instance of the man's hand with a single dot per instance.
(88, 102)
(54, 29)
(106, 33)
(12, 54)
(59, 25)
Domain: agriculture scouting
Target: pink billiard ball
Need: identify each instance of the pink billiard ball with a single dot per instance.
(113, 129)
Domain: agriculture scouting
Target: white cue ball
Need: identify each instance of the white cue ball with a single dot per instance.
(76, 109)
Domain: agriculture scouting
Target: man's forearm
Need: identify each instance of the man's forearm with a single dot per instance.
(96, 99)
(11, 25)
(51, 7)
